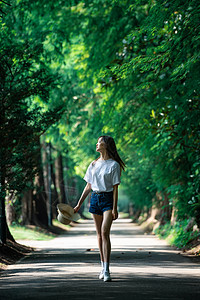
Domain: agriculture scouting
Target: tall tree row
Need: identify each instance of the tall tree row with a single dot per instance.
(151, 87)
(73, 70)
(27, 80)
(143, 61)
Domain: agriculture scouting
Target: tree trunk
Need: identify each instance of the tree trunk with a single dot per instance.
(197, 216)
(45, 166)
(3, 224)
(40, 202)
(27, 207)
(10, 213)
(47, 177)
(54, 193)
(4, 229)
(40, 195)
(59, 179)
(166, 209)
(173, 216)
(34, 201)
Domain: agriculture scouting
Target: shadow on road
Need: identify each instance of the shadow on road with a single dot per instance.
(142, 267)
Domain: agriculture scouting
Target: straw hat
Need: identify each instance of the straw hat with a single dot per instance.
(66, 214)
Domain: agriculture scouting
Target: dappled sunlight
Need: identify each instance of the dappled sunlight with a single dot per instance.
(81, 281)
(70, 72)
(140, 264)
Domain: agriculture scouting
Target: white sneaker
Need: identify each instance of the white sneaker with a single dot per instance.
(107, 276)
(101, 275)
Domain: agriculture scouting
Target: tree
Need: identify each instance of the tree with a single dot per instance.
(22, 119)
(144, 56)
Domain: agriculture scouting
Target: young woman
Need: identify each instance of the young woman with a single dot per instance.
(103, 178)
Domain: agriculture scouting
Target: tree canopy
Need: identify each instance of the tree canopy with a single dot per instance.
(73, 70)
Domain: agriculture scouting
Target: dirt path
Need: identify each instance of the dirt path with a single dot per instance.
(143, 267)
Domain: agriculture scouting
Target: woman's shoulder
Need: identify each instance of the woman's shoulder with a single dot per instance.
(114, 164)
(93, 162)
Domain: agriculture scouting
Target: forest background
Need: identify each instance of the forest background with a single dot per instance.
(71, 71)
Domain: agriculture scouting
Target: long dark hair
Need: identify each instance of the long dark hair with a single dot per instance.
(112, 150)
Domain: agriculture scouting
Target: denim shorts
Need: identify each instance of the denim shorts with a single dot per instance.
(101, 202)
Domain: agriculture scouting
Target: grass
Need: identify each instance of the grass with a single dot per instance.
(35, 233)
(177, 235)
(12, 252)
(60, 225)
(30, 233)
(123, 215)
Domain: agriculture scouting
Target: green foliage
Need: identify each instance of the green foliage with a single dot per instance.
(178, 235)
(150, 91)
(26, 83)
(30, 233)
(141, 65)
(126, 69)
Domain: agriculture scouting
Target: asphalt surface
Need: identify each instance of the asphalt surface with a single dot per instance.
(67, 267)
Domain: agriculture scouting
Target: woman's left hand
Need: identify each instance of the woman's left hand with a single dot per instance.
(115, 214)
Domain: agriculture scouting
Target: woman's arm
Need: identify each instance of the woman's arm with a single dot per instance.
(85, 193)
(115, 200)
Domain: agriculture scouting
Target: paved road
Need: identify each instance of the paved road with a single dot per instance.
(143, 267)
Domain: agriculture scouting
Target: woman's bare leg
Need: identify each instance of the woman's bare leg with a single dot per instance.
(98, 223)
(105, 233)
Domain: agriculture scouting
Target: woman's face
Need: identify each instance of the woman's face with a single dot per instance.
(100, 146)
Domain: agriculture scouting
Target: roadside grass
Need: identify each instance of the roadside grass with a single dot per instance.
(12, 251)
(30, 233)
(36, 233)
(178, 235)
(56, 223)
(123, 215)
